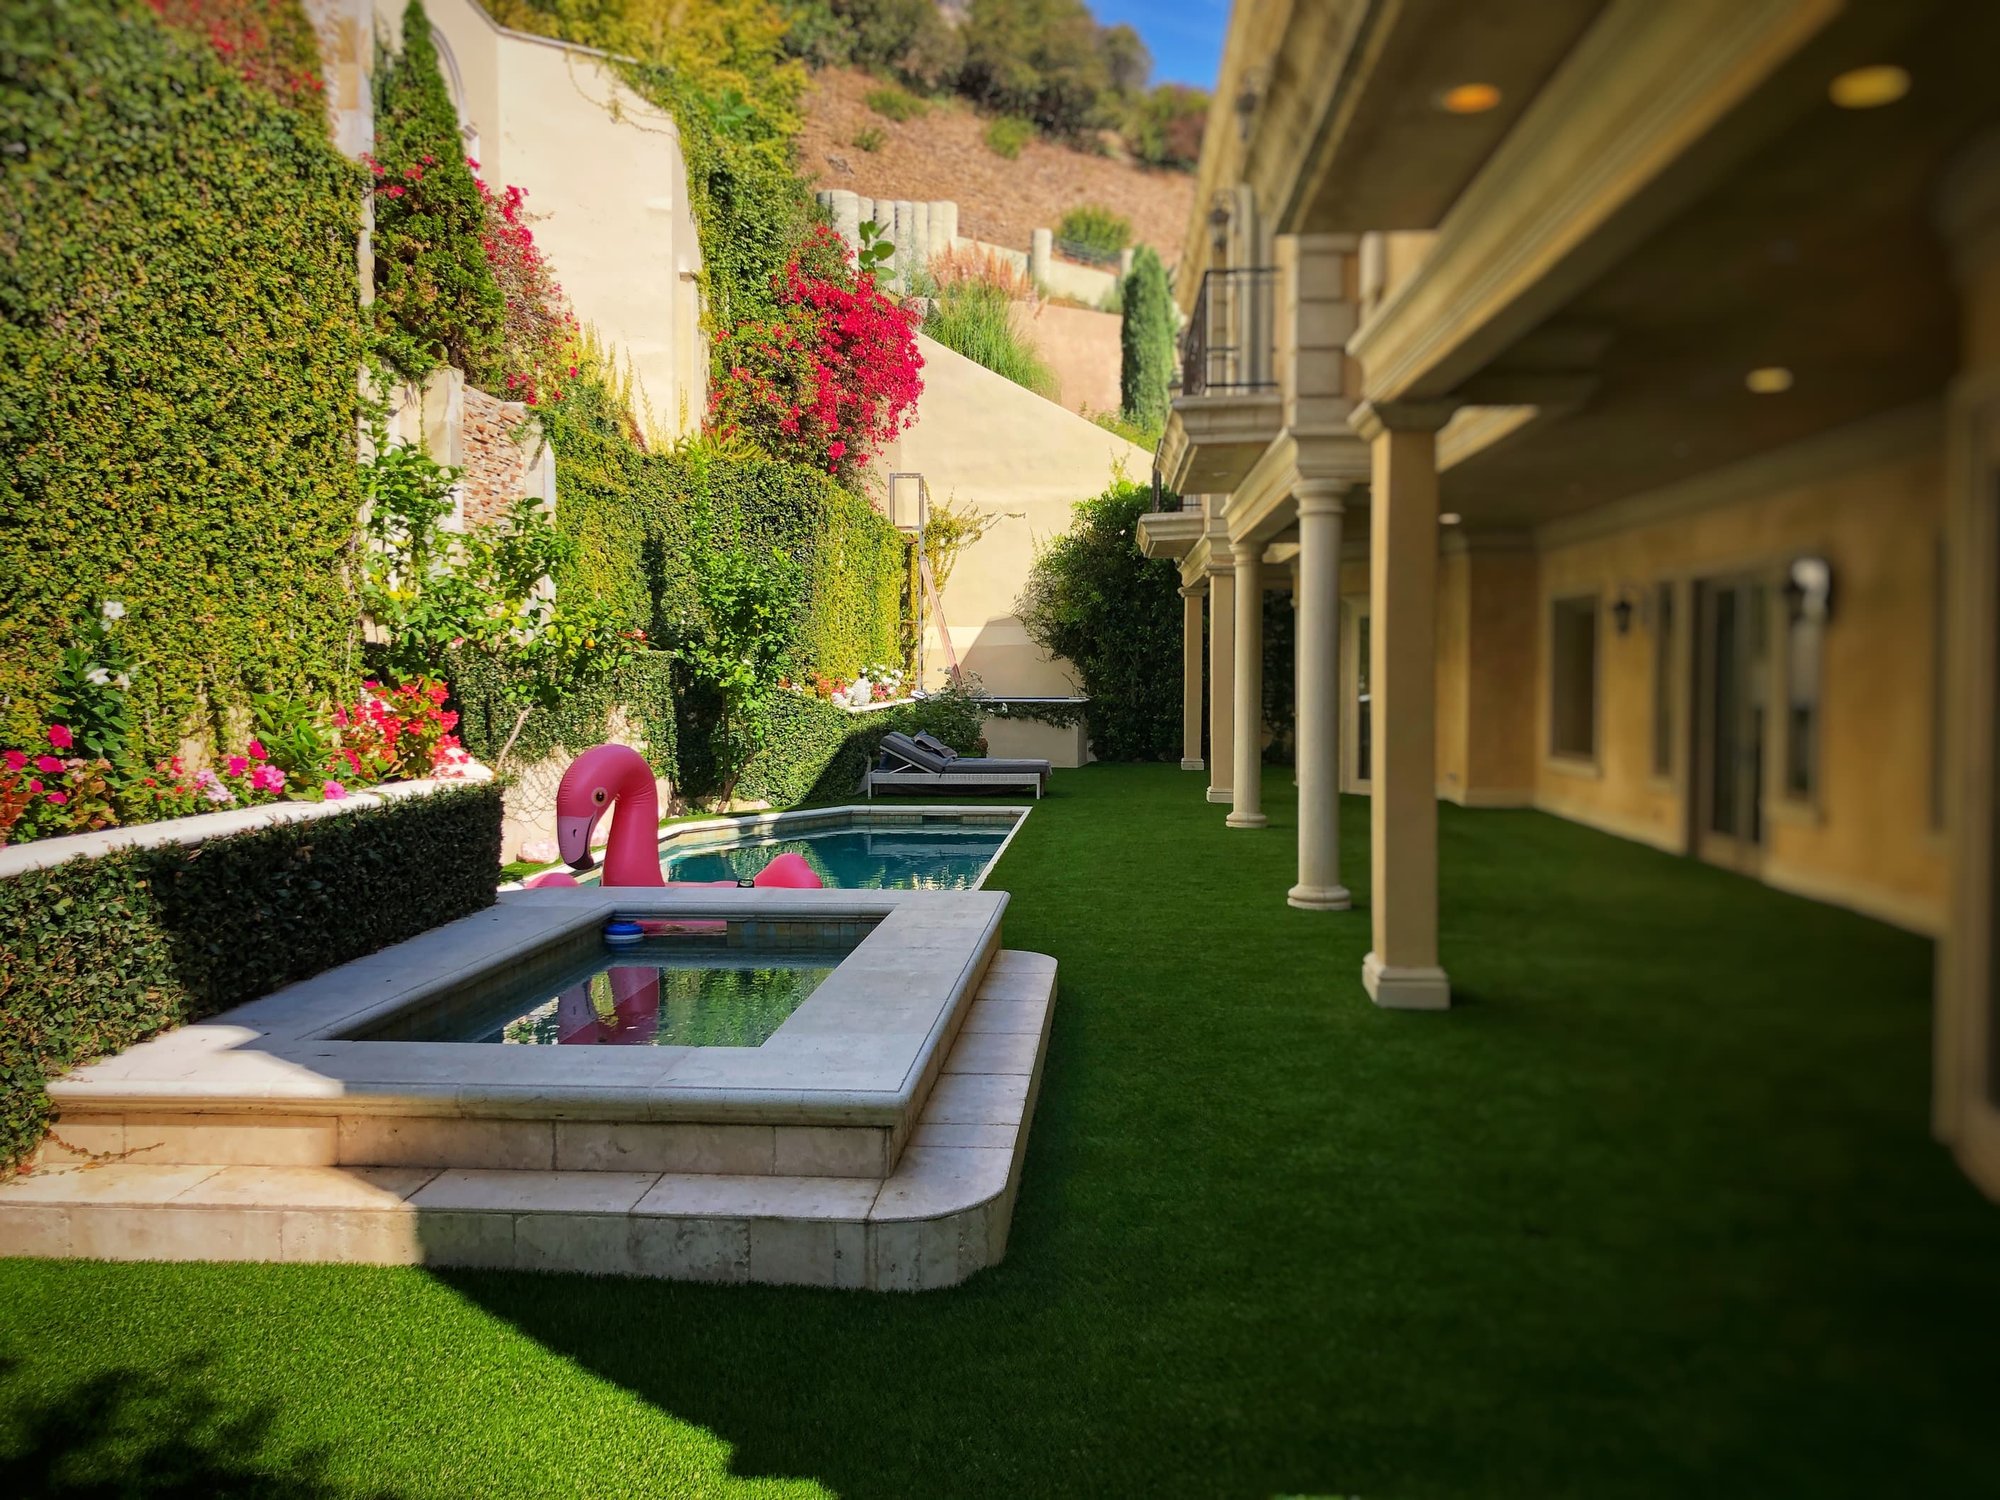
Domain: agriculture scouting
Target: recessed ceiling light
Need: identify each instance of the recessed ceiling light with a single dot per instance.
(1468, 99)
(1769, 380)
(1450, 518)
(1869, 88)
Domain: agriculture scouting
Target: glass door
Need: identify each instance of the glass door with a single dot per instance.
(1732, 683)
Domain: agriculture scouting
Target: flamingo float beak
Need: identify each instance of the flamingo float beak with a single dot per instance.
(573, 839)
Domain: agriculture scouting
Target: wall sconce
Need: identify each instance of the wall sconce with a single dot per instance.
(1247, 99)
(1622, 608)
(1809, 590)
(1218, 222)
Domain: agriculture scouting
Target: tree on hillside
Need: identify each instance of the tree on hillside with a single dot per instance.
(1040, 59)
(1146, 342)
(436, 298)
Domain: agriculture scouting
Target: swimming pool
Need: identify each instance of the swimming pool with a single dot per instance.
(946, 857)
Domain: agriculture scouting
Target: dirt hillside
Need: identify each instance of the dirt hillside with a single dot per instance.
(943, 154)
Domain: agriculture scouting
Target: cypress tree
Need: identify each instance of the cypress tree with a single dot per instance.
(1146, 343)
(436, 299)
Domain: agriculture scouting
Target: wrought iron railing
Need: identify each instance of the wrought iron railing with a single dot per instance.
(1164, 499)
(1229, 343)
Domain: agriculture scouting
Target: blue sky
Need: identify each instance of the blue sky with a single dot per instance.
(1184, 36)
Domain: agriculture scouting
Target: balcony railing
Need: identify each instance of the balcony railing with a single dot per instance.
(1228, 346)
(1165, 501)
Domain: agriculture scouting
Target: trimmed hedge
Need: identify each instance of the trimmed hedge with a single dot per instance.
(179, 334)
(103, 953)
(644, 689)
(815, 752)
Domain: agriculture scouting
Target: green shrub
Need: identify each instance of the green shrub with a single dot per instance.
(1132, 432)
(179, 337)
(870, 138)
(896, 104)
(1040, 59)
(642, 688)
(1008, 134)
(436, 299)
(1146, 343)
(1092, 232)
(814, 751)
(103, 953)
(1116, 616)
(1164, 128)
(976, 318)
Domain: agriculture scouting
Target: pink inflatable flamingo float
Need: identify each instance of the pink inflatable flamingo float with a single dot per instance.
(600, 779)
(617, 776)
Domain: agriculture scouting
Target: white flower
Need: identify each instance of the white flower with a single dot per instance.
(124, 682)
(98, 677)
(112, 611)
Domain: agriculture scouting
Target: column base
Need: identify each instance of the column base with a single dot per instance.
(1320, 898)
(1396, 988)
(1246, 820)
(1221, 794)
(1193, 765)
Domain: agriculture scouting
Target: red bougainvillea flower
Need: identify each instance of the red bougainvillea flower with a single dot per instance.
(17, 760)
(60, 737)
(48, 763)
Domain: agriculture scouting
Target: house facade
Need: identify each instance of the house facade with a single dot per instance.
(1616, 390)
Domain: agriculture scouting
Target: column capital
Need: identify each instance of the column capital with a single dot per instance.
(1372, 418)
(1318, 497)
(1194, 590)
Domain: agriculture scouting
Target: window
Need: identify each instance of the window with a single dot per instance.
(1573, 678)
(1663, 679)
(1807, 593)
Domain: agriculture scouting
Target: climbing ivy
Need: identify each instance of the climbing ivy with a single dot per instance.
(179, 336)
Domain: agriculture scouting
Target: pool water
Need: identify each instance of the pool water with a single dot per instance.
(696, 989)
(945, 856)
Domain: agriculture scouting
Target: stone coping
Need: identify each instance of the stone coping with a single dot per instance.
(862, 1050)
(42, 854)
(758, 827)
(943, 1213)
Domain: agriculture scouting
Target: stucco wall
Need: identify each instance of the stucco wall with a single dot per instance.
(606, 186)
(1081, 347)
(987, 444)
(1868, 842)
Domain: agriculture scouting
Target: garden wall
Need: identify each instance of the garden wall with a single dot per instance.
(179, 338)
(111, 937)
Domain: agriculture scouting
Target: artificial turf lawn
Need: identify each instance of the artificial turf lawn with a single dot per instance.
(1653, 1212)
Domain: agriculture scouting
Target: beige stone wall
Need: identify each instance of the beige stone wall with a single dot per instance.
(986, 443)
(606, 186)
(1081, 347)
(1868, 842)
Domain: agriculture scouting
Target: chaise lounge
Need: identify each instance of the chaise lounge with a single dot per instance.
(921, 763)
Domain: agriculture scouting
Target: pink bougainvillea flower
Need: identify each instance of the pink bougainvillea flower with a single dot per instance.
(268, 779)
(59, 798)
(34, 784)
(238, 765)
(60, 737)
(17, 760)
(257, 750)
(333, 791)
(47, 763)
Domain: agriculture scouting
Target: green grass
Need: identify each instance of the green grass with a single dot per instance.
(1006, 135)
(1654, 1212)
(896, 104)
(976, 318)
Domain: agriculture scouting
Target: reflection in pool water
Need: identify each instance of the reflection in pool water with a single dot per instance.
(718, 1004)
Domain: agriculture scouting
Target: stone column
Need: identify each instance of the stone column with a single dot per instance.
(944, 224)
(905, 222)
(1221, 673)
(1246, 805)
(845, 208)
(1322, 507)
(1402, 971)
(918, 253)
(1041, 251)
(1191, 677)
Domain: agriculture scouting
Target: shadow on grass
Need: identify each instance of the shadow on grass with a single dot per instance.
(153, 1432)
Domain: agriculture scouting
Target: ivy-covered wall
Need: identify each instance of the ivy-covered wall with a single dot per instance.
(633, 515)
(179, 339)
(815, 752)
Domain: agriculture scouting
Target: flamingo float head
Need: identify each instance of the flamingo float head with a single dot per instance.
(594, 780)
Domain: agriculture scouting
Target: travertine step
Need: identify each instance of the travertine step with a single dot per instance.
(941, 1215)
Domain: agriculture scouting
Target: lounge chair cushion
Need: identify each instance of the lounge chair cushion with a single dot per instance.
(935, 745)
